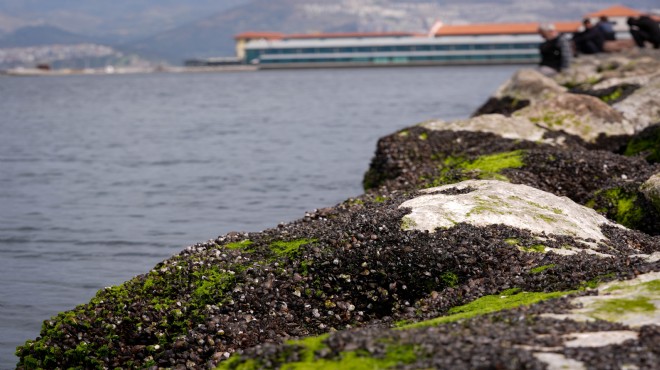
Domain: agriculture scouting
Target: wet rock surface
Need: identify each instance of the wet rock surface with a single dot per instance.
(364, 284)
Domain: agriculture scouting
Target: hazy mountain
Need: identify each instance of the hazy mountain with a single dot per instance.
(41, 35)
(116, 20)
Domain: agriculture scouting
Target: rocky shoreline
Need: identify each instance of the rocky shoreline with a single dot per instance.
(525, 237)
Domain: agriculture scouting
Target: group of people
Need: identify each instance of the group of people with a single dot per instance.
(558, 50)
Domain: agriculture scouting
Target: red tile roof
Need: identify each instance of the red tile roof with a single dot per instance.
(260, 35)
(615, 11)
(501, 29)
(349, 35)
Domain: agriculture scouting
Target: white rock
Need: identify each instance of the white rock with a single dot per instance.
(496, 202)
(556, 361)
(633, 302)
(600, 338)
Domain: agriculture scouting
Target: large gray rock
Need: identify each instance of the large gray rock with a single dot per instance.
(581, 115)
(529, 84)
(642, 108)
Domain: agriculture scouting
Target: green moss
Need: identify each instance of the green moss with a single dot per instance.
(449, 279)
(236, 362)
(593, 283)
(380, 199)
(289, 249)
(540, 269)
(488, 304)
(616, 94)
(536, 248)
(624, 305)
(407, 223)
(239, 245)
(627, 213)
(423, 136)
(212, 284)
(359, 360)
(646, 145)
(512, 241)
(404, 133)
(652, 286)
(490, 166)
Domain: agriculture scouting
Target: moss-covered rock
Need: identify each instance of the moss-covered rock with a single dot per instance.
(645, 144)
(581, 115)
(534, 330)
(347, 267)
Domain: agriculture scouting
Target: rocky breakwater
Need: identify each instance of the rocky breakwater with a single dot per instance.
(525, 237)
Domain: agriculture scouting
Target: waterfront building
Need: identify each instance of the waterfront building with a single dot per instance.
(501, 43)
(511, 43)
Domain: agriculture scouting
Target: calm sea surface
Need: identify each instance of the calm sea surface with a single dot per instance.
(102, 177)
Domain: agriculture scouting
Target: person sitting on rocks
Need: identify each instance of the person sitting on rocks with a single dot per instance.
(590, 40)
(555, 51)
(644, 29)
(606, 29)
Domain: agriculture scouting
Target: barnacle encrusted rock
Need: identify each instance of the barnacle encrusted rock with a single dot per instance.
(488, 202)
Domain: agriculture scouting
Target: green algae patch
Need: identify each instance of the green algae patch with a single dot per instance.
(449, 279)
(307, 349)
(647, 145)
(616, 94)
(407, 223)
(289, 249)
(627, 214)
(620, 306)
(651, 286)
(380, 199)
(243, 245)
(540, 269)
(212, 284)
(536, 248)
(489, 304)
(491, 165)
(485, 167)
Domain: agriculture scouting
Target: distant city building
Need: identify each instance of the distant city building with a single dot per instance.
(497, 43)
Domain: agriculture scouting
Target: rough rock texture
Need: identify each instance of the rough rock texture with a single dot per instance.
(580, 115)
(651, 190)
(642, 108)
(513, 271)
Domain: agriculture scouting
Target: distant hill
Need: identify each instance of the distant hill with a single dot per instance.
(117, 20)
(41, 35)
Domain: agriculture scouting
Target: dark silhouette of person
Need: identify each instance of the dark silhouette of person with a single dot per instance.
(645, 29)
(606, 28)
(555, 50)
(589, 41)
